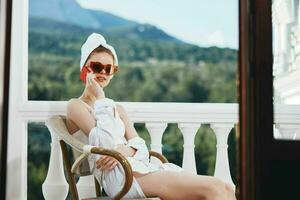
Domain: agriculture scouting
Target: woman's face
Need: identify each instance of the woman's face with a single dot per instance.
(102, 78)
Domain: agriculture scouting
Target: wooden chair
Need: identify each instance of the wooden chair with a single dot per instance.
(80, 166)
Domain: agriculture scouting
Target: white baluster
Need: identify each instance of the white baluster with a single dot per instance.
(297, 135)
(276, 133)
(222, 170)
(156, 131)
(55, 187)
(189, 131)
(86, 187)
(287, 131)
(16, 182)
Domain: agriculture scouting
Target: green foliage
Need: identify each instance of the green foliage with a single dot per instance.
(150, 71)
(38, 159)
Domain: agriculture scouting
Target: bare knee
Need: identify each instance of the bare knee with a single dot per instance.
(216, 189)
(219, 190)
(230, 191)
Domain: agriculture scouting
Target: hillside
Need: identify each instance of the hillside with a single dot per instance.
(62, 25)
(65, 39)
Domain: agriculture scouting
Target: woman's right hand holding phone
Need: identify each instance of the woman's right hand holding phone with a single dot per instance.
(93, 87)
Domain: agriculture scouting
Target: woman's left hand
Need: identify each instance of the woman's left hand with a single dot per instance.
(106, 163)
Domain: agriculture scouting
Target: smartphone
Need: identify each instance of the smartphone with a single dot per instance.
(83, 74)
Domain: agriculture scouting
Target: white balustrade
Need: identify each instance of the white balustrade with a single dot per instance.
(287, 121)
(297, 135)
(156, 131)
(189, 131)
(287, 131)
(222, 169)
(156, 116)
(55, 187)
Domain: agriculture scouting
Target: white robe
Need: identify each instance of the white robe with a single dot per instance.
(109, 132)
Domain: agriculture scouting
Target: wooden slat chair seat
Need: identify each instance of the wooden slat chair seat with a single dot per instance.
(80, 166)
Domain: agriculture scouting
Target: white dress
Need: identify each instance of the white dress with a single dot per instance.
(109, 132)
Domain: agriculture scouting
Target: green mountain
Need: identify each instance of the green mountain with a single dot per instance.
(70, 12)
(62, 10)
(55, 37)
(59, 24)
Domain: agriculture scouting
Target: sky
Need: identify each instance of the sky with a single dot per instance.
(201, 22)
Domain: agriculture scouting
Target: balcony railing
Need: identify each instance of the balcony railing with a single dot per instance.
(221, 117)
(156, 116)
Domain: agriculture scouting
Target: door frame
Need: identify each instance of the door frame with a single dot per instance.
(264, 161)
(5, 39)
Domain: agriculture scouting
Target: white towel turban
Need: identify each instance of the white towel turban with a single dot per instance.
(93, 41)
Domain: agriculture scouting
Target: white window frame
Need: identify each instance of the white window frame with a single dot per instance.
(16, 185)
(22, 111)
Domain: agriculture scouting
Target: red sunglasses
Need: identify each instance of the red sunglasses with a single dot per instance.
(97, 67)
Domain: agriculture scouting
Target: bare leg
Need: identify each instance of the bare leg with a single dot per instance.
(182, 185)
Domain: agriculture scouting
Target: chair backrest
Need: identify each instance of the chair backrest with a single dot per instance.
(57, 124)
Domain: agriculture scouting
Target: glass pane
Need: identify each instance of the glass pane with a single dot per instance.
(286, 69)
(191, 57)
(164, 56)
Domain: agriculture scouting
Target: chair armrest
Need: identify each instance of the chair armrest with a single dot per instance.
(78, 162)
(119, 157)
(162, 158)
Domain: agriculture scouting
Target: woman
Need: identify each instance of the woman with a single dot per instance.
(97, 120)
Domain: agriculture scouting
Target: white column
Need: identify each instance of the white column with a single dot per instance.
(156, 131)
(86, 187)
(55, 186)
(222, 169)
(287, 131)
(16, 181)
(189, 131)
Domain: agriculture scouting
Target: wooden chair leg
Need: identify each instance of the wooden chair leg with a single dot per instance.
(70, 176)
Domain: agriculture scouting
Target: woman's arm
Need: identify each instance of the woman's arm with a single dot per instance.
(130, 131)
(80, 116)
(135, 143)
